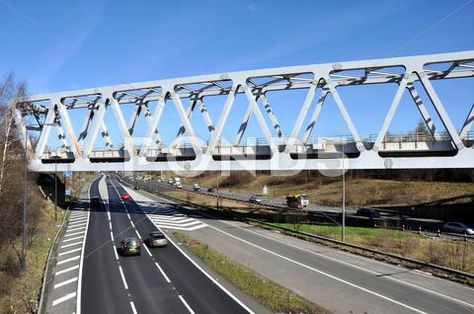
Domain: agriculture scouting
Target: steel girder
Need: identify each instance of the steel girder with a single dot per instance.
(320, 80)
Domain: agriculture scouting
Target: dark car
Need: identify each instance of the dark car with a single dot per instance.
(130, 246)
(368, 212)
(211, 190)
(457, 227)
(95, 202)
(136, 187)
(156, 239)
(255, 200)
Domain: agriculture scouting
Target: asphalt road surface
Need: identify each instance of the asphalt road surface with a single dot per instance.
(161, 280)
(339, 281)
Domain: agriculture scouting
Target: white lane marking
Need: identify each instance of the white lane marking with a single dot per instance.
(69, 252)
(123, 278)
(81, 263)
(356, 266)
(319, 271)
(138, 234)
(115, 252)
(132, 305)
(67, 260)
(72, 239)
(111, 236)
(189, 224)
(65, 298)
(180, 228)
(76, 220)
(75, 229)
(131, 222)
(233, 297)
(162, 272)
(67, 270)
(147, 249)
(73, 234)
(185, 304)
(108, 213)
(69, 245)
(128, 215)
(82, 222)
(110, 225)
(65, 282)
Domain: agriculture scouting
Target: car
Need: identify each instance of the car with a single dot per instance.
(156, 239)
(170, 181)
(125, 196)
(130, 246)
(178, 185)
(255, 199)
(211, 190)
(136, 187)
(196, 187)
(95, 202)
(458, 227)
(368, 212)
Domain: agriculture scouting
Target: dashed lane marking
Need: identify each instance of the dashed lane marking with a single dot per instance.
(65, 282)
(67, 260)
(67, 270)
(70, 251)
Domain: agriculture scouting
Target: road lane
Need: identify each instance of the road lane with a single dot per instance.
(335, 280)
(102, 289)
(200, 293)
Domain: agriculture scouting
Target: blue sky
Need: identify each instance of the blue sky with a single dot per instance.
(64, 45)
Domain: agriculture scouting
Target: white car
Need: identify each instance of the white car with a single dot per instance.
(178, 185)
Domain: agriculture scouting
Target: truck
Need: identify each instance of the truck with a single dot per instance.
(297, 201)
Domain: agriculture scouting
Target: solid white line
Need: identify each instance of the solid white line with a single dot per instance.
(132, 305)
(186, 304)
(207, 275)
(65, 298)
(68, 245)
(356, 266)
(67, 260)
(147, 250)
(63, 283)
(81, 263)
(73, 234)
(115, 251)
(72, 239)
(74, 229)
(69, 252)
(123, 278)
(319, 271)
(66, 270)
(138, 234)
(163, 272)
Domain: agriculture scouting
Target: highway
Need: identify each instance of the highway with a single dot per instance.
(159, 281)
(332, 213)
(339, 281)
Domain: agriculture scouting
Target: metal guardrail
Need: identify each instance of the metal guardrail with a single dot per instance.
(444, 269)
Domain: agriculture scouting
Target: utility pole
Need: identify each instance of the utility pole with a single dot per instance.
(55, 189)
(217, 191)
(25, 204)
(343, 198)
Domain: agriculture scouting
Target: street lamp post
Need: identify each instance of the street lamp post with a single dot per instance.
(343, 198)
(25, 205)
(55, 189)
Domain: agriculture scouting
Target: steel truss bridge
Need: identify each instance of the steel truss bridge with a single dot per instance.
(37, 116)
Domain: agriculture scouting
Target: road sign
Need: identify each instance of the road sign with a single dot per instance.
(67, 192)
(265, 190)
(67, 174)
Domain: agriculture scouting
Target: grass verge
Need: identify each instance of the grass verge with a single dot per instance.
(273, 296)
(21, 295)
(454, 254)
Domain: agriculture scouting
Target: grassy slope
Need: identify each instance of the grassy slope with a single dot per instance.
(360, 192)
(27, 284)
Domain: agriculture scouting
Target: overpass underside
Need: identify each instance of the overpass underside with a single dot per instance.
(38, 116)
